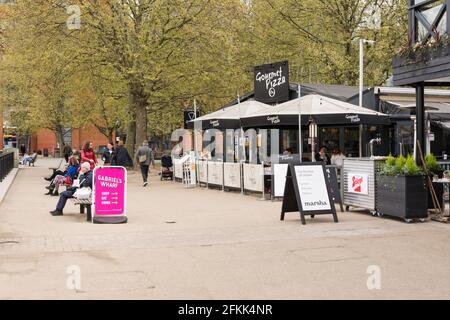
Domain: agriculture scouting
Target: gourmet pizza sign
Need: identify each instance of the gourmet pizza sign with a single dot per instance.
(272, 82)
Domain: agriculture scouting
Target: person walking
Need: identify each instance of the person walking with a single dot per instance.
(109, 155)
(67, 151)
(88, 154)
(122, 157)
(144, 158)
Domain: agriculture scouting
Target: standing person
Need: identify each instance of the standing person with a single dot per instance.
(122, 157)
(337, 159)
(144, 158)
(23, 150)
(67, 151)
(109, 155)
(85, 182)
(152, 163)
(322, 156)
(88, 154)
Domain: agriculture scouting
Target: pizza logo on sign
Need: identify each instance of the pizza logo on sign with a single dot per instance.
(357, 183)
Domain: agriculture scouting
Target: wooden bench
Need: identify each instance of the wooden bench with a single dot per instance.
(32, 161)
(84, 204)
(54, 169)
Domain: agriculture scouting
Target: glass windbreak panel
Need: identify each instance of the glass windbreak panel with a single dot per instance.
(329, 138)
(351, 142)
(405, 137)
(290, 140)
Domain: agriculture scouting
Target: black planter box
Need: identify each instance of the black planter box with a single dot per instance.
(404, 196)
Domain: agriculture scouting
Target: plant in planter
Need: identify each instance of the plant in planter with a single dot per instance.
(434, 169)
(419, 52)
(401, 190)
(433, 166)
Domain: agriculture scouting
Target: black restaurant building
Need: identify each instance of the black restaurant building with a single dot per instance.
(272, 87)
(396, 138)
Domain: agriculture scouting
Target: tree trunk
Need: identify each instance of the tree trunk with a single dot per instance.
(139, 102)
(59, 132)
(131, 137)
(110, 136)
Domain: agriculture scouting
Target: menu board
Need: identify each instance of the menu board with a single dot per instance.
(307, 191)
(312, 188)
(110, 191)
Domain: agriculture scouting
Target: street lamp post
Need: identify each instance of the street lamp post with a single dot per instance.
(361, 85)
(361, 68)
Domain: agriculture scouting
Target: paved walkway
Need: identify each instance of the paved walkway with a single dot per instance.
(192, 244)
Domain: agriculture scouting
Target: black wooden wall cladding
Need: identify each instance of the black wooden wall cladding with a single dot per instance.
(272, 82)
(308, 192)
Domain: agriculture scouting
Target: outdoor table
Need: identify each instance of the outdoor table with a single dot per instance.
(446, 184)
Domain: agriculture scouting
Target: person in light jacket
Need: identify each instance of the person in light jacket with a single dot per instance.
(144, 157)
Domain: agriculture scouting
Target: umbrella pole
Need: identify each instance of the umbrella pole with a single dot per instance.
(300, 141)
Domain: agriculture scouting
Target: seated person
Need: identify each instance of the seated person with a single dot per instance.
(85, 182)
(322, 156)
(337, 159)
(27, 158)
(288, 152)
(57, 173)
(66, 178)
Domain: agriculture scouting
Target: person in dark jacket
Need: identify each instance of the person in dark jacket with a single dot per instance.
(144, 157)
(85, 182)
(23, 150)
(108, 156)
(122, 157)
(67, 151)
(322, 156)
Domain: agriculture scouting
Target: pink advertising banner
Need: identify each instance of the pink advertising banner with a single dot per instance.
(110, 191)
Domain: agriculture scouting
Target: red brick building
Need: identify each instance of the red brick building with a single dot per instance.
(46, 139)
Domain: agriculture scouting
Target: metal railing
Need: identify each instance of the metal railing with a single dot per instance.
(6, 164)
(445, 165)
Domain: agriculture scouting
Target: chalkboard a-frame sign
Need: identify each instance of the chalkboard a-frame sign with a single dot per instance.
(307, 191)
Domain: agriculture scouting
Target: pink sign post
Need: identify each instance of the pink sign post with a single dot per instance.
(110, 195)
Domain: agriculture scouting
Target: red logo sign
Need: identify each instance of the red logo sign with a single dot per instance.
(357, 183)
